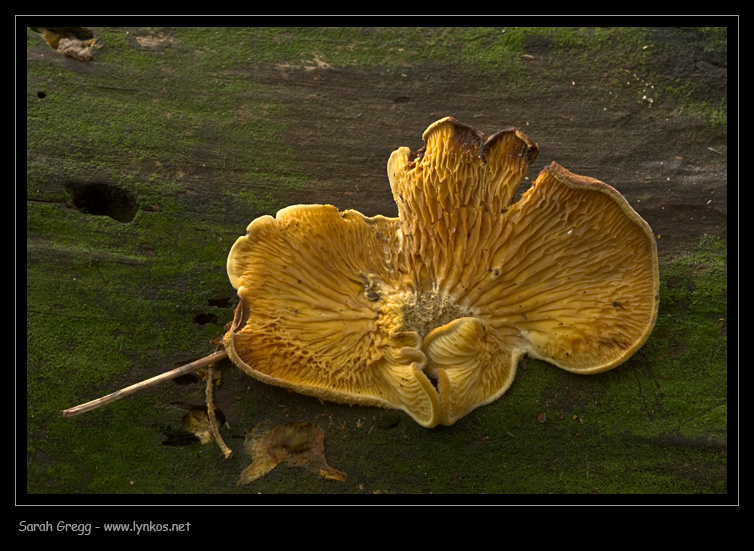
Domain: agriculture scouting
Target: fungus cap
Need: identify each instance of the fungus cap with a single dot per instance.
(431, 311)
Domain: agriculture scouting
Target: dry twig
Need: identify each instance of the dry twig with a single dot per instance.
(122, 393)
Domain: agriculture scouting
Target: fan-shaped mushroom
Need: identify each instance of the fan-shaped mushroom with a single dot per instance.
(431, 311)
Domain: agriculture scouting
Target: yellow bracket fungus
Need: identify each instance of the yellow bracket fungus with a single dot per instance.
(430, 312)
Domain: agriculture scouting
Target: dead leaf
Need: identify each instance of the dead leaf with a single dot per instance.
(197, 422)
(300, 444)
(75, 42)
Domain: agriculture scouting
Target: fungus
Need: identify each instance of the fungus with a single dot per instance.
(430, 312)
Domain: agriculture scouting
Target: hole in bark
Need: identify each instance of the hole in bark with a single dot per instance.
(204, 319)
(104, 200)
(188, 379)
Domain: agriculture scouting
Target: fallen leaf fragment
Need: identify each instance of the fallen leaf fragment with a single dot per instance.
(197, 422)
(74, 42)
(300, 444)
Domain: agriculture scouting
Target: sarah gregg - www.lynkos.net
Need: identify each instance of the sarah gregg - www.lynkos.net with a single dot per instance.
(86, 528)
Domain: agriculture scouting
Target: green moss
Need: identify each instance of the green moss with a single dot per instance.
(228, 56)
(701, 97)
(714, 113)
(157, 125)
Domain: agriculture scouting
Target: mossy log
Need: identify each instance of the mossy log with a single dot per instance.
(147, 161)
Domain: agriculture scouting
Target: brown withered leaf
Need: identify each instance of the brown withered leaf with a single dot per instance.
(301, 444)
(197, 422)
(74, 42)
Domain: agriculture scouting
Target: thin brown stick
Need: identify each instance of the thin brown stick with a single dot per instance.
(227, 452)
(123, 392)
